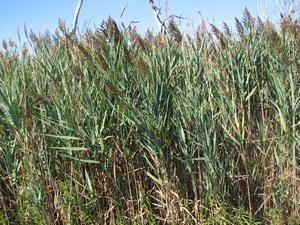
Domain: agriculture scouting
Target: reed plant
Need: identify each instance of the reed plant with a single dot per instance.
(112, 127)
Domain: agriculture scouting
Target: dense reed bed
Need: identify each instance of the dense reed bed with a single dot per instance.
(117, 128)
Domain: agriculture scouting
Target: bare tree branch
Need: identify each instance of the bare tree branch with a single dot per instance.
(131, 22)
(121, 16)
(173, 16)
(73, 31)
(121, 19)
(272, 9)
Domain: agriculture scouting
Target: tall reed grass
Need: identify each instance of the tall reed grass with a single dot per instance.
(117, 128)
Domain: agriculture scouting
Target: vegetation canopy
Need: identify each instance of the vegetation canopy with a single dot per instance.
(112, 127)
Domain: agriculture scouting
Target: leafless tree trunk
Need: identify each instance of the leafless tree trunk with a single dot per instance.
(156, 12)
(73, 31)
(161, 23)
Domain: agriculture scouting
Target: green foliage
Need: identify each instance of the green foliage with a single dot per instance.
(115, 128)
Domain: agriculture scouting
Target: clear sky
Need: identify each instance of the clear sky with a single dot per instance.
(39, 14)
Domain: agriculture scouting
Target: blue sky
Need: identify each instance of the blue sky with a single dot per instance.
(39, 14)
